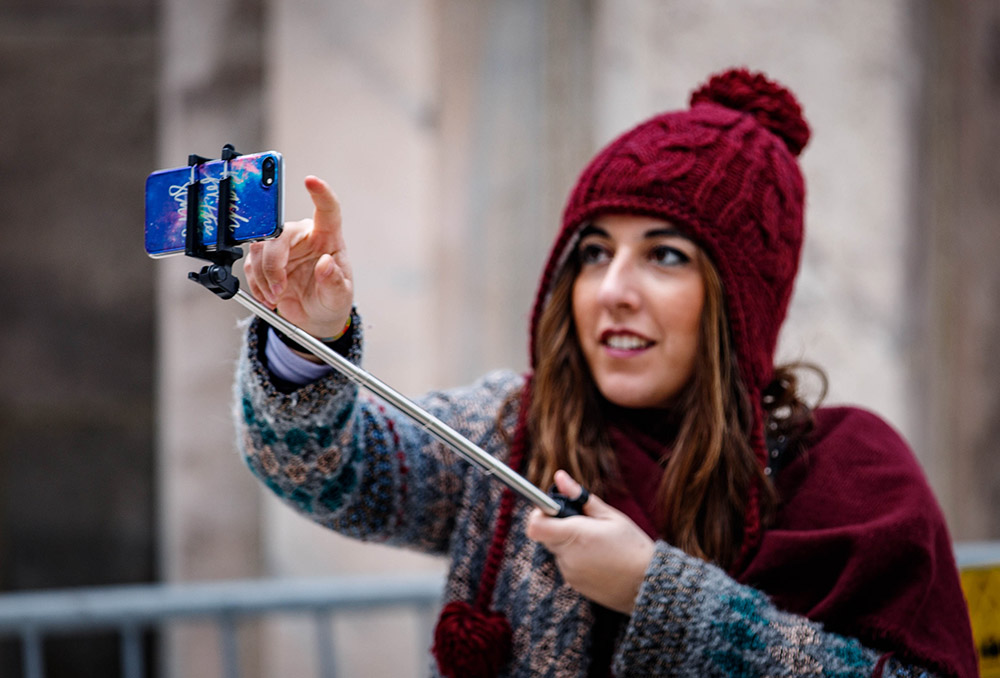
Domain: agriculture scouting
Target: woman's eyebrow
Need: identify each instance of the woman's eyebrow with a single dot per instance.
(665, 233)
(591, 229)
(594, 229)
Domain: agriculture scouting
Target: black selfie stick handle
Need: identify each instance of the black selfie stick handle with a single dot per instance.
(570, 507)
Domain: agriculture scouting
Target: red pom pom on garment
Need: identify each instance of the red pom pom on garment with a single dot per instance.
(470, 643)
(774, 106)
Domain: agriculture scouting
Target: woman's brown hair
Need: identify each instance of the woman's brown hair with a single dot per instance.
(708, 468)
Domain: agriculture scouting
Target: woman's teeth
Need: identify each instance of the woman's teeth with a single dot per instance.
(625, 342)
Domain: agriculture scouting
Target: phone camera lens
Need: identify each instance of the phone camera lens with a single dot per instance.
(267, 171)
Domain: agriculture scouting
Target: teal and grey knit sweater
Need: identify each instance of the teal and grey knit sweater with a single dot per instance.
(355, 465)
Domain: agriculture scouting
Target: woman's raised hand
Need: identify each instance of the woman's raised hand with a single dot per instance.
(304, 273)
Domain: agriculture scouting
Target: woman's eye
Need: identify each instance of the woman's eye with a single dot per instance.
(592, 253)
(665, 255)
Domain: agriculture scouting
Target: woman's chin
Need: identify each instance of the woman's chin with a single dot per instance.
(635, 398)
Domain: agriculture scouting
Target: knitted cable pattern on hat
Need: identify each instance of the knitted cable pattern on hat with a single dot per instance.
(724, 172)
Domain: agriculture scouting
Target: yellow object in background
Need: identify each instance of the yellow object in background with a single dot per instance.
(981, 584)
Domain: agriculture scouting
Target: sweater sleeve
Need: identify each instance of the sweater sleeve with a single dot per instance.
(692, 619)
(354, 464)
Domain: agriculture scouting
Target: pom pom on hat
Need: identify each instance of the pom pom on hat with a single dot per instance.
(471, 643)
(774, 106)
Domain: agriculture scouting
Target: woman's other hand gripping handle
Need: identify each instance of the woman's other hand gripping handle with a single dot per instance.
(602, 554)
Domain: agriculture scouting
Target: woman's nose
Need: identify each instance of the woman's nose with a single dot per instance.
(619, 286)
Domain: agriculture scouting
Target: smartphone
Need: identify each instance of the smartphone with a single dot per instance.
(256, 202)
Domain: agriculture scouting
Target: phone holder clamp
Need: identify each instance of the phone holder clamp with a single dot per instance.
(218, 275)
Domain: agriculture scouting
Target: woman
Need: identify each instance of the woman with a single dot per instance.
(731, 529)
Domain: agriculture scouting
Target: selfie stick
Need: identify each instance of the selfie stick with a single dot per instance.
(219, 278)
(456, 441)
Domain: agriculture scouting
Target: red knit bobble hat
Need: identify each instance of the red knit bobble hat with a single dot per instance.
(725, 173)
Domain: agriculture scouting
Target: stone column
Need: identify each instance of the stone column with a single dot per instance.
(351, 98)
(953, 274)
(209, 504)
(77, 507)
(515, 125)
(852, 66)
(446, 128)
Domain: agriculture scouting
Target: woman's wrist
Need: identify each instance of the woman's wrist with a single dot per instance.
(326, 336)
(339, 342)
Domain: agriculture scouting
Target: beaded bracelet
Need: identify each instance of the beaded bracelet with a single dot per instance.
(341, 333)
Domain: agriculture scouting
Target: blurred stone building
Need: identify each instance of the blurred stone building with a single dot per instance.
(451, 130)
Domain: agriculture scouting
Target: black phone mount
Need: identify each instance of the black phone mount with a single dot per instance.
(218, 275)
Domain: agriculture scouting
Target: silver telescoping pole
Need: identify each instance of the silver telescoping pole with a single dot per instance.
(447, 435)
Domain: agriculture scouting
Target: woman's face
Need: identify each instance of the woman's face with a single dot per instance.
(637, 304)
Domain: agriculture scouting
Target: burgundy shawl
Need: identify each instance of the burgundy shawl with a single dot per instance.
(859, 543)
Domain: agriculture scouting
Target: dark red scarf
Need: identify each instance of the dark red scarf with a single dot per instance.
(859, 543)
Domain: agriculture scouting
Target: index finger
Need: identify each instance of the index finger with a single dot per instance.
(326, 218)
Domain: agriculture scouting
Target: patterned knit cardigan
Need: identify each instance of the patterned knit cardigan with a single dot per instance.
(359, 467)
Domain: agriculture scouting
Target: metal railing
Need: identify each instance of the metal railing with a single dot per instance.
(134, 609)
(977, 553)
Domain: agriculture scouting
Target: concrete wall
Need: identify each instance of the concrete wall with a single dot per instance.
(452, 130)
